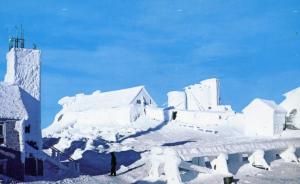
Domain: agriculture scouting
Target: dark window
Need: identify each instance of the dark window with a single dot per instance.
(27, 129)
(1, 130)
(1, 133)
(138, 101)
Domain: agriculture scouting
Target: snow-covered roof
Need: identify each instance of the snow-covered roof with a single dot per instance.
(12, 106)
(109, 99)
(269, 103)
(295, 91)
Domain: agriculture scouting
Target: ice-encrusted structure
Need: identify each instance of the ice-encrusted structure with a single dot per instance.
(99, 108)
(289, 155)
(257, 159)
(20, 110)
(170, 161)
(292, 104)
(220, 164)
(263, 118)
(200, 103)
(23, 71)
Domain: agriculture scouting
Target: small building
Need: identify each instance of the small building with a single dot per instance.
(291, 103)
(199, 103)
(120, 106)
(263, 118)
(20, 118)
(204, 96)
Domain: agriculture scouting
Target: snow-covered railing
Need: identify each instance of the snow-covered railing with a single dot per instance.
(187, 153)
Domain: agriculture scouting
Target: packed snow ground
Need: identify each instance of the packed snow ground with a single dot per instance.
(90, 144)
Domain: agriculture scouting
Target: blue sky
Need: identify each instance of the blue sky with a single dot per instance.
(252, 46)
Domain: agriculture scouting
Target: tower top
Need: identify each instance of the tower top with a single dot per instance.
(17, 41)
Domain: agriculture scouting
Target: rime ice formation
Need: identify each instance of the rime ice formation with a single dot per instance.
(23, 73)
(11, 102)
(220, 164)
(177, 99)
(113, 107)
(155, 161)
(23, 69)
(257, 159)
(170, 161)
(199, 103)
(292, 105)
(289, 155)
(171, 166)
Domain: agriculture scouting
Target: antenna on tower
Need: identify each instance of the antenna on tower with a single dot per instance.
(18, 40)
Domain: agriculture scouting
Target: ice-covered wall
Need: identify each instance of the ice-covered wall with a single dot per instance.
(156, 113)
(202, 117)
(203, 96)
(177, 99)
(23, 69)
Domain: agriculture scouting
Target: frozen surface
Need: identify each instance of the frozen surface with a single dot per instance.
(150, 149)
(12, 106)
(23, 69)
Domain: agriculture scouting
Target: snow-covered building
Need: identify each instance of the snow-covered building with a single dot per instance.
(120, 106)
(199, 103)
(20, 114)
(292, 105)
(204, 96)
(263, 118)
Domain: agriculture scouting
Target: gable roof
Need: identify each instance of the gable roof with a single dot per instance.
(268, 103)
(12, 106)
(108, 99)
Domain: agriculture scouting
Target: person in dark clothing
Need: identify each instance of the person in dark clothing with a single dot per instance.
(113, 164)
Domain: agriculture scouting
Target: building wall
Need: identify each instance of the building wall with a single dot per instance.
(203, 96)
(201, 117)
(11, 136)
(23, 69)
(177, 99)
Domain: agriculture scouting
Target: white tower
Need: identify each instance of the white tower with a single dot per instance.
(23, 70)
